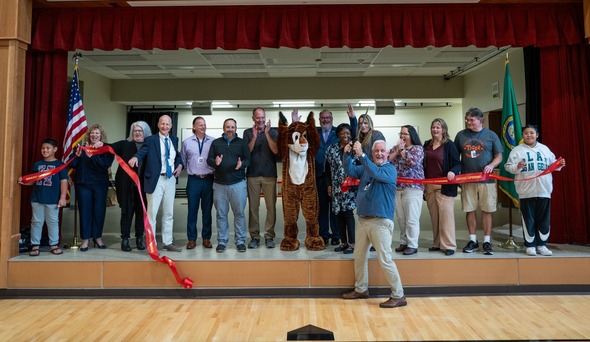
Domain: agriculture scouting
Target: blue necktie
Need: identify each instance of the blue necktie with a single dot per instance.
(168, 167)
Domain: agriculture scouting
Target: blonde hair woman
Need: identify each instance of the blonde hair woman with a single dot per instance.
(92, 182)
(367, 135)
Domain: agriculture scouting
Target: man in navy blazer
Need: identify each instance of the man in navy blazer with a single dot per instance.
(327, 218)
(160, 177)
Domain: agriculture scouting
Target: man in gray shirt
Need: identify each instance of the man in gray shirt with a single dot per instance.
(262, 177)
(481, 151)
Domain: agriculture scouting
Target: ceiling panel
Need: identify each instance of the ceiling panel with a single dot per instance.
(283, 62)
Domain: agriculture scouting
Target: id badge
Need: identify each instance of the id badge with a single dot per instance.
(200, 159)
(473, 154)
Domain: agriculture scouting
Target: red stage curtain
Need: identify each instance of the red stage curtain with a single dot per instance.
(44, 113)
(565, 113)
(253, 27)
(556, 28)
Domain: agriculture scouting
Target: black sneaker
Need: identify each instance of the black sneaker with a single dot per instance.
(487, 248)
(471, 247)
(220, 248)
(241, 248)
(254, 243)
(341, 248)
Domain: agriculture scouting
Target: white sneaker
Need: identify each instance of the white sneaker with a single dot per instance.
(531, 251)
(543, 250)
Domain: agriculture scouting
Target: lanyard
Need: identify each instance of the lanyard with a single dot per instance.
(479, 135)
(201, 145)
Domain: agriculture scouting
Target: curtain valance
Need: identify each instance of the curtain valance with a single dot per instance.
(253, 27)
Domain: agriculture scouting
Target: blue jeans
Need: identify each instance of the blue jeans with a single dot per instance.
(199, 191)
(48, 213)
(233, 195)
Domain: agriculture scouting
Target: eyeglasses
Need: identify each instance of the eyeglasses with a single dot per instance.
(471, 120)
(138, 131)
(326, 118)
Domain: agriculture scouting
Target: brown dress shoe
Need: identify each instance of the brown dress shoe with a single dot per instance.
(401, 248)
(355, 295)
(207, 244)
(394, 303)
(191, 244)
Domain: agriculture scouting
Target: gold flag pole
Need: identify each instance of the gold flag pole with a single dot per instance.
(510, 242)
(75, 243)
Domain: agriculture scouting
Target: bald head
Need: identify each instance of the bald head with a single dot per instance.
(164, 125)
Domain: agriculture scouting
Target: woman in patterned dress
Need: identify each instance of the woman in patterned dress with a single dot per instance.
(343, 203)
(408, 157)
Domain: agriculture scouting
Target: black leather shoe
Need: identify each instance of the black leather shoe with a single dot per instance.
(449, 252)
(140, 242)
(125, 245)
(433, 249)
(410, 251)
(401, 248)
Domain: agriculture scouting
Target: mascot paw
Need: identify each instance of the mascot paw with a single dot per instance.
(289, 244)
(314, 243)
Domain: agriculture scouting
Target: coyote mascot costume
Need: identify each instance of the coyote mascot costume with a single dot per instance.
(298, 145)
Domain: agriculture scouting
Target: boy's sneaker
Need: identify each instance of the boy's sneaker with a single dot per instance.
(487, 249)
(531, 251)
(543, 250)
(471, 247)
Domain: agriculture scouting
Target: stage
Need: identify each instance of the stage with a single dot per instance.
(268, 272)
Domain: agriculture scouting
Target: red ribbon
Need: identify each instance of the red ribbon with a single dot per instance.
(152, 248)
(459, 179)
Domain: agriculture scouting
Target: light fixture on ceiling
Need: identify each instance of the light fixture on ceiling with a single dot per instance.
(293, 104)
(366, 103)
(475, 62)
(221, 104)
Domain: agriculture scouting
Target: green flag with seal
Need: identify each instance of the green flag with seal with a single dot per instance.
(511, 132)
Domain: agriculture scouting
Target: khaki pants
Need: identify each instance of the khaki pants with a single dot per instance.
(376, 231)
(442, 216)
(268, 187)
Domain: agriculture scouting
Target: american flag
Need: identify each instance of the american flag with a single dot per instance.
(76, 121)
(76, 124)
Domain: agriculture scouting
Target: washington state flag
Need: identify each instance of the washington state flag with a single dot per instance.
(511, 132)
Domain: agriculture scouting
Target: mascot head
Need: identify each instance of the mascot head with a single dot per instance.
(298, 136)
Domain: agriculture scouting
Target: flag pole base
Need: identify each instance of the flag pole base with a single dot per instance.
(510, 244)
(75, 244)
